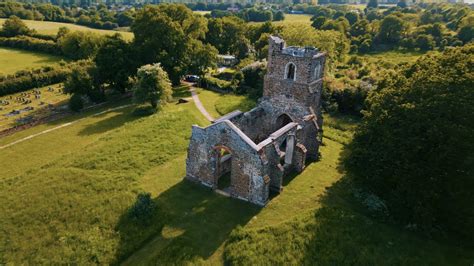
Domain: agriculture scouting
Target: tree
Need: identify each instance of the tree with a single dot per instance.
(79, 82)
(319, 22)
(360, 28)
(466, 33)
(227, 34)
(415, 146)
(352, 17)
(114, 62)
(402, 3)
(14, 26)
(372, 4)
(153, 85)
(391, 30)
(80, 45)
(164, 34)
(334, 43)
(425, 42)
(63, 31)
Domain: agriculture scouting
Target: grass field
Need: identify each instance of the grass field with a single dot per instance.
(51, 28)
(393, 57)
(12, 60)
(218, 104)
(66, 196)
(40, 106)
(295, 18)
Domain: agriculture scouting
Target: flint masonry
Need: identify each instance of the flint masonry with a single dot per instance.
(247, 155)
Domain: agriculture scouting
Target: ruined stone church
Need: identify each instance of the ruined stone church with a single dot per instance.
(247, 155)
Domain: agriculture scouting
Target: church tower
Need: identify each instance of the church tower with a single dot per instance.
(294, 72)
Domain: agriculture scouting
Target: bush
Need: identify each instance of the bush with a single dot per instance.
(252, 83)
(212, 83)
(76, 103)
(415, 146)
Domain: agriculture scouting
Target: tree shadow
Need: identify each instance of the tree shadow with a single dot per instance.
(181, 92)
(119, 118)
(192, 223)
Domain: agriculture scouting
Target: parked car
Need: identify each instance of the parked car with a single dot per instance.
(192, 78)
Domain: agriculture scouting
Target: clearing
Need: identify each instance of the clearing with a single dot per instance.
(13, 60)
(67, 193)
(51, 28)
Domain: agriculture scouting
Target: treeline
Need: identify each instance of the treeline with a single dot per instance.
(250, 14)
(96, 17)
(73, 45)
(428, 28)
(26, 79)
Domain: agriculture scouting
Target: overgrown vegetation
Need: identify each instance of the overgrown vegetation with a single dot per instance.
(414, 149)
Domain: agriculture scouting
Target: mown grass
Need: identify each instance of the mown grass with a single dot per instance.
(66, 196)
(13, 60)
(218, 104)
(73, 202)
(51, 28)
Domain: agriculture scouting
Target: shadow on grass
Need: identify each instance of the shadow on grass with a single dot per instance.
(181, 92)
(193, 222)
(119, 118)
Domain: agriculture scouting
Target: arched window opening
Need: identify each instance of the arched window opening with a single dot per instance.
(282, 121)
(223, 167)
(290, 72)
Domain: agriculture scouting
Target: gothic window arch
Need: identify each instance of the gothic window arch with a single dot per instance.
(290, 71)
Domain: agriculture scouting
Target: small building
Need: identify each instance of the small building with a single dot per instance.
(227, 60)
(247, 155)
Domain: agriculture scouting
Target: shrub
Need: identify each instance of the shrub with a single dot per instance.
(76, 103)
(415, 146)
(31, 44)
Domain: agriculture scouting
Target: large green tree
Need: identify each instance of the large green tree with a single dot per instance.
(153, 85)
(334, 43)
(80, 45)
(227, 34)
(415, 147)
(171, 34)
(392, 29)
(114, 62)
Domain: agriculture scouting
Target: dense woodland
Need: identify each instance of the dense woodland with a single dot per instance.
(414, 146)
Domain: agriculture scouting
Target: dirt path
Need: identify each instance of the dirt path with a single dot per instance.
(199, 105)
(61, 126)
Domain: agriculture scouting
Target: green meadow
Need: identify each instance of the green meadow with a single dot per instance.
(13, 60)
(66, 195)
(51, 28)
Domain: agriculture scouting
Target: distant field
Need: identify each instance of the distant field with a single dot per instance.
(12, 60)
(51, 28)
(394, 57)
(295, 18)
(202, 12)
(39, 105)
